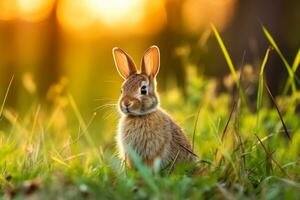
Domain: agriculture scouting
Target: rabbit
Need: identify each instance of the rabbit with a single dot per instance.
(144, 127)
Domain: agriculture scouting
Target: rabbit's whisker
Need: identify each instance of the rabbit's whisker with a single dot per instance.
(109, 115)
(105, 99)
(108, 112)
(104, 106)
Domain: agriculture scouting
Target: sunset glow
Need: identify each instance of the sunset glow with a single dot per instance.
(34, 10)
(94, 18)
(112, 16)
(8, 10)
(27, 10)
(198, 14)
(117, 11)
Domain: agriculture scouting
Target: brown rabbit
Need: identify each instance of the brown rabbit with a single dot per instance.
(144, 127)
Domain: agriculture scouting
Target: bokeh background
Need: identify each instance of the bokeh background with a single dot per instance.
(59, 47)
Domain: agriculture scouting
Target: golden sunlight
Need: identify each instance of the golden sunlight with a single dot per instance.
(34, 10)
(73, 15)
(114, 12)
(7, 10)
(27, 10)
(111, 16)
(198, 14)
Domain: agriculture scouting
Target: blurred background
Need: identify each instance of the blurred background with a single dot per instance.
(53, 47)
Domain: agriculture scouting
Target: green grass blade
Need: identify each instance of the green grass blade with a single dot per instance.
(294, 68)
(195, 128)
(226, 55)
(286, 64)
(229, 61)
(6, 94)
(261, 86)
(278, 111)
(296, 61)
(259, 100)
(275, 46)
(143, 170)
(284, 180)
(263, 64)
(61, 162)
(83, 125)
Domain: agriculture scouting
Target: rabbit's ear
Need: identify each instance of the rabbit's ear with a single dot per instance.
(123, 62)
(150, 61)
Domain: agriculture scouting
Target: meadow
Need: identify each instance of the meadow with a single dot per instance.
(248, 147)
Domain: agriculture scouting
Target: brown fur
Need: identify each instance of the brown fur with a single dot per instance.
(144, 126)
(153, 136)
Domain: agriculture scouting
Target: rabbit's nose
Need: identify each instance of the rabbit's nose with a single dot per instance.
(127, 104)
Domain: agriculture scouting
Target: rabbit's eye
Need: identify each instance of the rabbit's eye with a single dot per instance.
(144, 90)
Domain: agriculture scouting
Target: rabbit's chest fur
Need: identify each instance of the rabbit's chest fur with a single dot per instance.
(149, 136)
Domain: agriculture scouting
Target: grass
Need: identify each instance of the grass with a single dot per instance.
(260, 87)
(52, 152)
(291, 70)
(5, 97)
(229, 61)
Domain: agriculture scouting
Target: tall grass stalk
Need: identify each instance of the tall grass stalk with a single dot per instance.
(261, 88)
(5, 97)
(290, 71)
(229, 62)
(84, 126)
(294, 68)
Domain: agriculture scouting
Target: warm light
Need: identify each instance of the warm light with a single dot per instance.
(111, 17)
(7, 9)
(74, 15)
(198, 14)
(92, 17)
(114, 12)
(27, 10)
(34, 10)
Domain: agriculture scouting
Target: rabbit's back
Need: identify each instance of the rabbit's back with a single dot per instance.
(153, 136)
(180, 145)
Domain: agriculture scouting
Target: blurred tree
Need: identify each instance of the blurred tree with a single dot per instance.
(49, 65)
(245, 34)
(8, 67)
(169, 39)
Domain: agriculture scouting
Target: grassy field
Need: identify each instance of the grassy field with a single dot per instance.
(248, 148)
